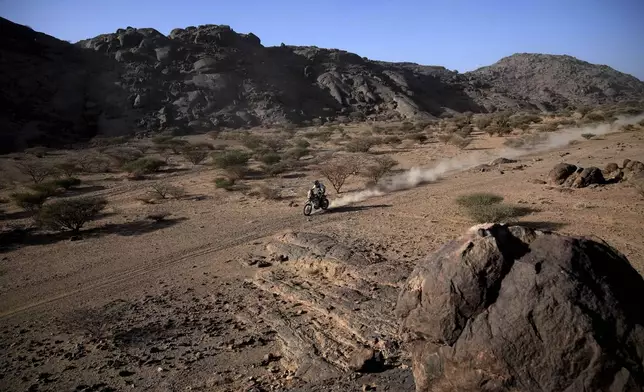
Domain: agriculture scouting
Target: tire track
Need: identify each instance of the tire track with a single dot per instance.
(165, 262)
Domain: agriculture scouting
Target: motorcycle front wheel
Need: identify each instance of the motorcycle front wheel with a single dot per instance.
(308, 208)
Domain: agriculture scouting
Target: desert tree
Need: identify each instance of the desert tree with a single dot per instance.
(37, 171)
(70, 214)
(379, 167)
(337, 171)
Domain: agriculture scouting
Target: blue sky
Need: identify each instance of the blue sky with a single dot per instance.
(458, 34)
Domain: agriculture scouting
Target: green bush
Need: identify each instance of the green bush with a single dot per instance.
(487, 208)
(67, 183)
(277, 168)
(224, 183)
(70, 214)
(226, 159)
(392, 140)
(270, 158)
(301, 143)
(48, 189)
(143, 166)
(478, 199)
(30, 201)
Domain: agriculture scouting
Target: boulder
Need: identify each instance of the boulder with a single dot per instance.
(633, 168)
(611, 167)
(205, 64)
(585, 177)
(508, 308)
(560, 173)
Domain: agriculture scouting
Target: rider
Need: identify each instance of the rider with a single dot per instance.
(318, 190)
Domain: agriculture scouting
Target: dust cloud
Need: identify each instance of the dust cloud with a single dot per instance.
(418, 176)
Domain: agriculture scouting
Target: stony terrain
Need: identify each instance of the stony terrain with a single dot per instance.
(197, 78)
(238, 290)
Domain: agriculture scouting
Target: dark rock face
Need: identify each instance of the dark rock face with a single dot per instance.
(513, 309)
(242, 83)
(52, 93)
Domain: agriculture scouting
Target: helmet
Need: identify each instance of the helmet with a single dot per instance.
(316, 183)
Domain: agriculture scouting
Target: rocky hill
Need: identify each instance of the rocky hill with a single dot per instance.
(558, 80)
(197, 78)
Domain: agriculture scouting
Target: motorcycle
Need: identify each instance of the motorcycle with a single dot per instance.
(316, 203)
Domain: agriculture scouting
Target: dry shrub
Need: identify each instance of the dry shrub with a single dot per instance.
(70, 214)
(380, 167)
(338, 170)
(482, 121)
(417, 137)
(464, 131)
(36, 171)
(159, 216)
(123, 155)
(363, 144)
(588, 136)
(323, 135)
(443, 138)
(459, 141)
(269, 193)
(526, 141)
(38, 151)
(195, 154)
(68, 168)
(296, 153)
(549, 127)
(214, 135)
(162, 190)
(406, 126)
(93, 163)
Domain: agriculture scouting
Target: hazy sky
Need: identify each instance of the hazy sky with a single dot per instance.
(457, 34)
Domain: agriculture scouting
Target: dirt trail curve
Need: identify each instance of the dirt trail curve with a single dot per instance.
(268, 227)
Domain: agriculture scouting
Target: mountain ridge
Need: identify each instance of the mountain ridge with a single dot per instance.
(209, 76)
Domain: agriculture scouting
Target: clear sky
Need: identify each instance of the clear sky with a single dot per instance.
(458, 34)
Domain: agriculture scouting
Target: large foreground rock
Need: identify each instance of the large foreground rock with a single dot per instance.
(513, 309)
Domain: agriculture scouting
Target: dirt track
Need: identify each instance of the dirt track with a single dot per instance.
(200, 252)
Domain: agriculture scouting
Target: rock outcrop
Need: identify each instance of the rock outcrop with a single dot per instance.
(512, 309)
(568, 175)
(331, 305)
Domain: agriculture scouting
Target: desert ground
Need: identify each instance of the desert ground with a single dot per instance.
(131, 303)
